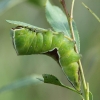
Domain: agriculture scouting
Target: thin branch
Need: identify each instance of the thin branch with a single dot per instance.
(87, 95)
(76, 49)
(72, 7)
(70, 22)
(91, 12)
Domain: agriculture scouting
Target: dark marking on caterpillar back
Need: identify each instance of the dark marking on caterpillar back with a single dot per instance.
(18, 27)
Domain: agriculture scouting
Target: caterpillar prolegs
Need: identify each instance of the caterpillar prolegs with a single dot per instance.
(28, 41)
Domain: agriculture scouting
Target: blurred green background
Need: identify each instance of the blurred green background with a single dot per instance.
(13, 67)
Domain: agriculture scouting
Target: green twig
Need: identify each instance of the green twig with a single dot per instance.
(70, 24)
(87, 92)
(91, 12)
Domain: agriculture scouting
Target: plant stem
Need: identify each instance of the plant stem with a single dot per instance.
(85, 87)
(70, 19)
(87, 92)
(91, 12)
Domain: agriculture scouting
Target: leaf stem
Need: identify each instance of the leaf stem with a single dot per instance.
(74, 91)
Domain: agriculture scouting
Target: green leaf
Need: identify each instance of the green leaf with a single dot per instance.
(22, 82)
(18, 23)
(91, 95)
(77, 39)
(51, 79)
(57, 19)
(38, 2)
(7, 4)
(3, 4)
(34, 79)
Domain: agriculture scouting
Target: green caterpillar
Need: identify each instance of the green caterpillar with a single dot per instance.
(29, 41)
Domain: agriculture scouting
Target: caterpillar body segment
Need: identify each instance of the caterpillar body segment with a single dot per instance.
(27, 42)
